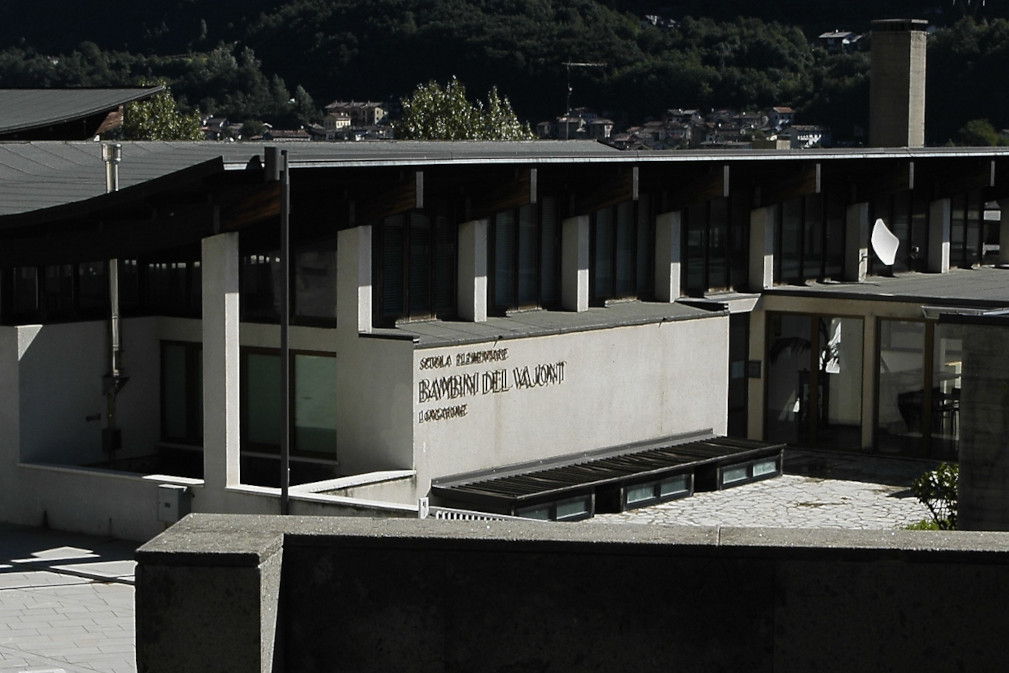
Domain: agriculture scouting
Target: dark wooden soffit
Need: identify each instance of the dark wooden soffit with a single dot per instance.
(777, 182)
(484, 190)
(385, 199)
(954, 176)
(677, 186)
(590, 187)
(863, 180)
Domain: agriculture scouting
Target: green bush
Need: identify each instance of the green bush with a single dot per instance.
(937, 491)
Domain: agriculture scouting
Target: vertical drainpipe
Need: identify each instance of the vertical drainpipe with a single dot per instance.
(114, 381)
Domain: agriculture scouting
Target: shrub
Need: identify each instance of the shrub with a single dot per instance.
(937, 491)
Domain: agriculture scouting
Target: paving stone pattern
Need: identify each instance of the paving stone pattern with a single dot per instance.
(65, 608)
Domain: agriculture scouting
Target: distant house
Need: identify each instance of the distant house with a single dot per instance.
(216, 128)
(600, 129)
(805, 137)
(839, 41)
(335, 124)
(781, 117)
(361, 113)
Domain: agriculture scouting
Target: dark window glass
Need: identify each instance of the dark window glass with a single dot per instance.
(261, 286)
(92, 286)
(550, 255)
(25, 293)
(415, 266)
(182, 392)
(314, 290)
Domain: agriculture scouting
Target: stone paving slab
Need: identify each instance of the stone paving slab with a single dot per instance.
(66, 603)
(788, 501)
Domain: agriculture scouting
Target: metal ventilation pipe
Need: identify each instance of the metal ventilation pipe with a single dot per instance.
(112, 153)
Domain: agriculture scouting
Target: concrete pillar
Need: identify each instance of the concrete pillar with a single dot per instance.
(669, 255)
(870, 365)
(762, 227)
(220, 263)
(939, 216)
(10, 418)
(856, 242)
(472, 284)
(756, 389)
(575, 263)
(984, 425)
(353, 279)
(1003, 250)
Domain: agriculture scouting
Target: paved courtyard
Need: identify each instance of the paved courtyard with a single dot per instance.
(818, 490)
(67, 601)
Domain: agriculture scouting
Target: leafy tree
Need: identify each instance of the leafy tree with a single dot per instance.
(434, 112)
(159, 118)
(978, 133)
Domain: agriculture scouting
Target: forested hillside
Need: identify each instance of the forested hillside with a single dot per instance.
(251, 60)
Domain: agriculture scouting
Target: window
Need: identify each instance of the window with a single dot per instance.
(715, 245)
(906, 215)
(312, 288)
(810, 238)
(173, 286)
(968, 230)
(313, 403)
(523, 254)
(623, 252)
(415, 266)
(182, 392)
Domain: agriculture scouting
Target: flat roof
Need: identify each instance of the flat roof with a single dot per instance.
(27, 109)
(984, 287)
(45, 174)
(521, 324)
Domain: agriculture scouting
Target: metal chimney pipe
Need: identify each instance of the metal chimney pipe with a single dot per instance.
(112, 153)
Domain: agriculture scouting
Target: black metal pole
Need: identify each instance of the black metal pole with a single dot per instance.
(285, 324)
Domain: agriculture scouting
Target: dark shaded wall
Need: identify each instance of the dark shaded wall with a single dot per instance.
(370, 595)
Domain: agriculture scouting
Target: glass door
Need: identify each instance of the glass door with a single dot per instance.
(814, 381)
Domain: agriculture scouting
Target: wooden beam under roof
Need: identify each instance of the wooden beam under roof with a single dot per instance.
(589, 187)
(391, 198)
(681, 185)
(955, 176)
(505, 194)
(866, 179)
(777, 182)
(92, 240)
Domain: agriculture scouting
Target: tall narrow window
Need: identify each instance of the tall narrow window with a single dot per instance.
(182, 392)
(622, 252)
(415, 272)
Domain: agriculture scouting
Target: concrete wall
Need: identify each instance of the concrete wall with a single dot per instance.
(584, 391)
(984, 427)
(309, 594)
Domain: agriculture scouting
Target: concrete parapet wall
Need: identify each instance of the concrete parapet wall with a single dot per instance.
(379, 595)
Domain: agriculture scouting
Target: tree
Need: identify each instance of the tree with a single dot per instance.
(977, 133)
(434, 112)
(159, 118)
